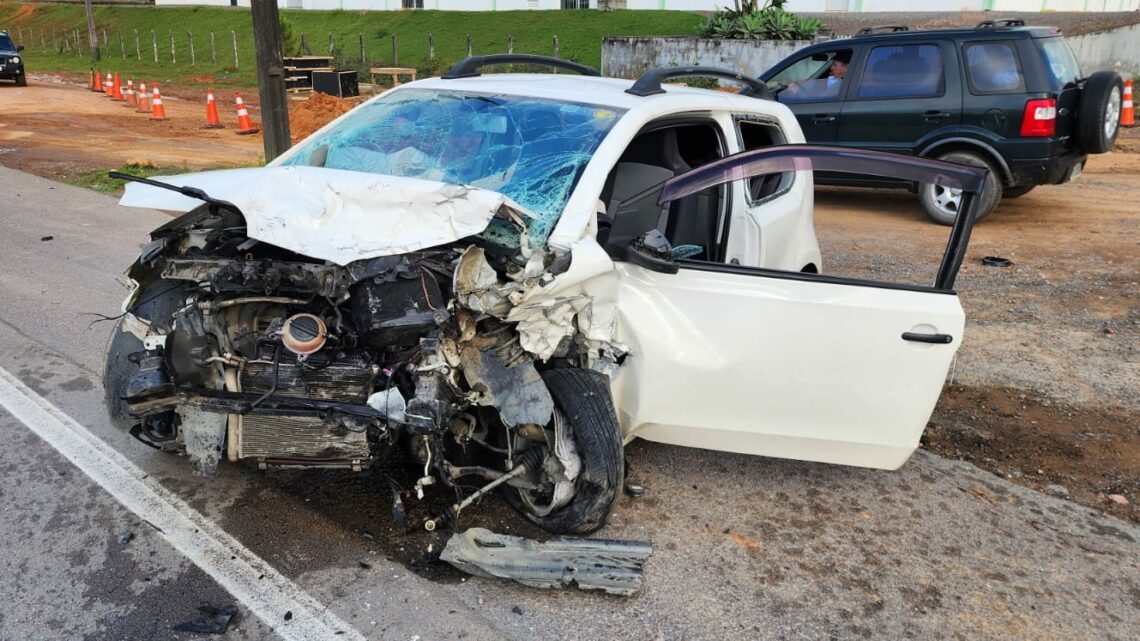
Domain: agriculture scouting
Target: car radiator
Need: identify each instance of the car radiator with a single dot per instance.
(305, 440)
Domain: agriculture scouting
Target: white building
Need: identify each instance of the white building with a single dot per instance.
(688, 5)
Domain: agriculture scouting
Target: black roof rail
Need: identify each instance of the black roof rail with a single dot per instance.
(649, 83)
(998, 24)
(893, 28)
(469, 66)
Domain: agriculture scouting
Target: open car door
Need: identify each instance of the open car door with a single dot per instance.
(789, 364)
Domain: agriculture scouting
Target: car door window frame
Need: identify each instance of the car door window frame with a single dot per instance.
(866, 69)
(787, 182)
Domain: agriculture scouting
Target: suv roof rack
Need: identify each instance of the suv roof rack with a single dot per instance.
(893, 28)
(998, 24)
(649, 83)
(469, 66)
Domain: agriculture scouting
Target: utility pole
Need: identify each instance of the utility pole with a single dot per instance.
(270, 77)
(92, 37)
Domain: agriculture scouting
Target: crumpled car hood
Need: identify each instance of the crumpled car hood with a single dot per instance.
(337, 215)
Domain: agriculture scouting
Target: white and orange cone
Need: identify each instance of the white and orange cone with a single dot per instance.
(129, 95)
(157, 111)
(108, 84)
(1127, 113)
(212, 120)
(144, 99)
(245, 125)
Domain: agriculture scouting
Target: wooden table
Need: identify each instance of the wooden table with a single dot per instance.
(395, 72)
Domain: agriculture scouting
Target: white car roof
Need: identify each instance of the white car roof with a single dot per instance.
(605, 92)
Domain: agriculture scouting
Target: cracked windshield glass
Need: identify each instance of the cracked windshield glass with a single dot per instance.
(528, 149)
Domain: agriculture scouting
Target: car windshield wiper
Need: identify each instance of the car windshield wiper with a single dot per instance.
(190, 192)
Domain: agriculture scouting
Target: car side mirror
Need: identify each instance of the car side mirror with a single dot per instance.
(653, 251)
(19, 48)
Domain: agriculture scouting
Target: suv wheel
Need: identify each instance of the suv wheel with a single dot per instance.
(1016, 192)
(22, 80)
(1098, 113)
(941, 204)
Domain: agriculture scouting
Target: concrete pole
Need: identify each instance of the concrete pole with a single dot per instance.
(271, 77)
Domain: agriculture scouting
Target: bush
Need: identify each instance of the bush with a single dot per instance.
(750, 22)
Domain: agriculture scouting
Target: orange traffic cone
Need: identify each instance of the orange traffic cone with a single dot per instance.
(117, 89)
(108, 84)
(245, 125)
(212, 120)
(144, 99)
(93, 81)
(129, 94)
(1127, 115)
(157, 111)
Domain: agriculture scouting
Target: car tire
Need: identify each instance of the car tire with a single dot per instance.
(22, 80)
(941, 203)
(1098, 112)
(584, 400)
(1016, 192)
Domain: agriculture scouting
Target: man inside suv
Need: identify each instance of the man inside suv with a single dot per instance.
(1001, 95)
(11, 65)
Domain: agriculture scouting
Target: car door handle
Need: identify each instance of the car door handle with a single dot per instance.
(935, 116)
(819, 119)
(941, 339)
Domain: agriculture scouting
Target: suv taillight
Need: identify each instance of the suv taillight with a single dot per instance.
(1040, 118)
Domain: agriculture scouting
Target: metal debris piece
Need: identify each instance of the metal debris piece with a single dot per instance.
(593, 564)
(518, 392)
(996, 261)
(214, 620)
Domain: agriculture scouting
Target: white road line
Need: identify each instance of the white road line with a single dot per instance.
(265, 591)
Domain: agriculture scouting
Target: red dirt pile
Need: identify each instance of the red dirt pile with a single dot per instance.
(314, 113)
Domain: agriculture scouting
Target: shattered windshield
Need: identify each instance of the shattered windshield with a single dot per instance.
(529, 149)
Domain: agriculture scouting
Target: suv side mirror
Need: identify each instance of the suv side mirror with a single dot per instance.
(19, 48)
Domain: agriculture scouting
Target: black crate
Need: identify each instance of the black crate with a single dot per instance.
(342, 84)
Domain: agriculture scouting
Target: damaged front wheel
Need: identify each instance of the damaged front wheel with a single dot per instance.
(586, 436)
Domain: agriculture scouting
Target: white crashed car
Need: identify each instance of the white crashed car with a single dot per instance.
(507, 277)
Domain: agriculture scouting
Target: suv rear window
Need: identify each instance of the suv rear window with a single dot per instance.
(1061, 60)
(992, 67)
(907, 71)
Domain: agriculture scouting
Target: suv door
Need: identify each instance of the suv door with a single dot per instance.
(806, 85)
(788, 364)
(904, 95)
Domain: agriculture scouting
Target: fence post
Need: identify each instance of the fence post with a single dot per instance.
(154, 44)
(213, 51)
(332, 44)
(104, 39)
(190, 39)
(233, 38)
(556, 49)
(360, 37)
(510, 44)
(395, 52)
(122, 47)
(468, 44)
(173, 53)
(43, 40)
(138, 49)
(431, 47)
(20, 33)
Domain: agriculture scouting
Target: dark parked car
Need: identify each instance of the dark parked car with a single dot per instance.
(11, 65)
(1001, 95)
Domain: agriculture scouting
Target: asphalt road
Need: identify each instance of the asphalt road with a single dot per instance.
(745, 547)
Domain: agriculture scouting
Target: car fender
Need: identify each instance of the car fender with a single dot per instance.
(930, 149)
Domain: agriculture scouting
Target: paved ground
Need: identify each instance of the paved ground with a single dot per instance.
(744, 547)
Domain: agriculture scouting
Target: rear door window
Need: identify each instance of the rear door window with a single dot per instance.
(993, 67)
(903, 71)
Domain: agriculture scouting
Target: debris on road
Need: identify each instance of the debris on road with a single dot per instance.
(127, 537)
(1118, 499)
(593, 564)
(996, 261)
(214, 620)
(47, 238)
(1057, 490)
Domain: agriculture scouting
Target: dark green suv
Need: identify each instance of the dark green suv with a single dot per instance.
(1001, 95)
(11, 65)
